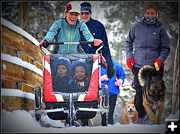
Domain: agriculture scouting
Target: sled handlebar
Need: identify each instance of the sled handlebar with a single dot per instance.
(79, 42)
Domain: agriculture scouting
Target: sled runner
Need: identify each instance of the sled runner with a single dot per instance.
(69, 98)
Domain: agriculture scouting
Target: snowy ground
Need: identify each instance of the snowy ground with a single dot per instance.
(23, 121)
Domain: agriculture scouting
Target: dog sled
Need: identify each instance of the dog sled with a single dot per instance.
(70, 104)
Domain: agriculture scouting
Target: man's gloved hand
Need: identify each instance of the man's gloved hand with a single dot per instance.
(43, 43)
(104, 78)
(118, 82)
(110, 71)
(97, 42)
(130, 63)
(157, 64)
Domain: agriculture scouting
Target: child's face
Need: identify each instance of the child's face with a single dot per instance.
(80, 72)
(62, 70)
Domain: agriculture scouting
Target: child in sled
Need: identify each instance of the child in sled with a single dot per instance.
(80, 74)
(62, 80)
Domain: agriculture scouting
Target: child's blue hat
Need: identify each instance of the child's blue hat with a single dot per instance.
(80, 62)
(61, 61)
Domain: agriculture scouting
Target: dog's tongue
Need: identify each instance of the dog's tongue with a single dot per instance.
(156, 104)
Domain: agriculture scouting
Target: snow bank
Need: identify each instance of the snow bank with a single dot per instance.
(19, 62)
(22, 121)
(16, 93)
(174, 116)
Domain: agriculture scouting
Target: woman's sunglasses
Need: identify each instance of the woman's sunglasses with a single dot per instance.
(86, 13)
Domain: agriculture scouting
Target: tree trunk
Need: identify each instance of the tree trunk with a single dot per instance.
(24, 15)
(175, 93)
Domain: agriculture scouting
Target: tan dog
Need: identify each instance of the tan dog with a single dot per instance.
(130, 114)
(154, 93)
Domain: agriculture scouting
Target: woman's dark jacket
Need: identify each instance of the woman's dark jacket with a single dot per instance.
(146, 43)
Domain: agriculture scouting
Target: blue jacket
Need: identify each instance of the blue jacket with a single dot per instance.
(98, 31)
(62, 31)
(146, 43)
(119, 74)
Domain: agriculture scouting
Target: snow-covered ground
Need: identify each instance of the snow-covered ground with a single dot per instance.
(23, 121)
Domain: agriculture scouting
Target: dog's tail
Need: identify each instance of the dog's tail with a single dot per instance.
(144, 72)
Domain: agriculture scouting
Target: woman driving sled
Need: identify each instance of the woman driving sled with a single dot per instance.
(68, 29)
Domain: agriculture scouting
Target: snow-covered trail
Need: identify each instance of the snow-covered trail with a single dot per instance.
(23, 121)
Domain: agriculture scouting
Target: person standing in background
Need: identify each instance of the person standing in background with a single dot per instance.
(147, 44)
(113, 84)
(98, 31)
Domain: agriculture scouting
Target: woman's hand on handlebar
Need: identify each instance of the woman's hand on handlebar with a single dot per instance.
(43, 43)
(97, 42)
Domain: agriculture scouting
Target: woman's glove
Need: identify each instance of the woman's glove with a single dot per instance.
(97, 42)
(43, 43)
(104, 78)
(118, 82)
(130, 63)
(157, 64)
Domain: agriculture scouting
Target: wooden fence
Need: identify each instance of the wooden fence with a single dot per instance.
(21, 67)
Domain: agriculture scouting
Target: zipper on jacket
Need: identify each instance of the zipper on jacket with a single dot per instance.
(69, 39)
(146, 42)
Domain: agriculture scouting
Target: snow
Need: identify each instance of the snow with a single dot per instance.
(23, 121)
(174, 116)
(126, 84)
(20, 31)
(19, 62)
(16, 93)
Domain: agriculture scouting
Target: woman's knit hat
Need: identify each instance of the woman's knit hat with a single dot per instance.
(86, 6)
